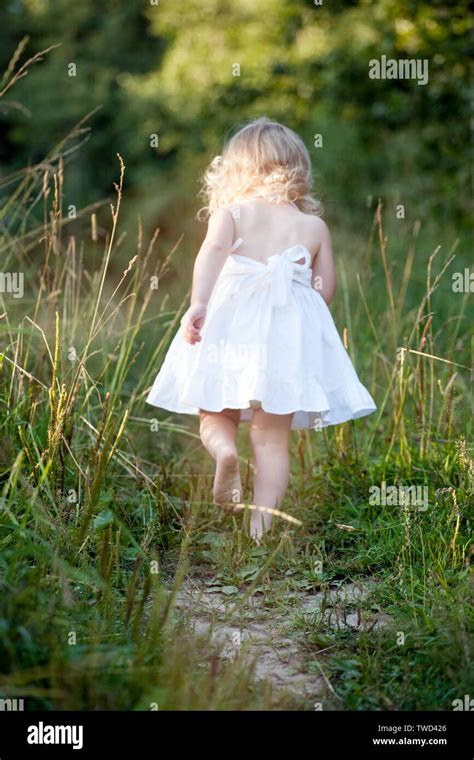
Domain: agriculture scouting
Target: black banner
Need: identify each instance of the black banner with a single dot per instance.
(130, 734)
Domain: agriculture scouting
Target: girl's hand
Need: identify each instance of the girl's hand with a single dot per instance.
(192, 323)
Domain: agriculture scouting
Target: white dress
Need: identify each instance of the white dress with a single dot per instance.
(268, 341)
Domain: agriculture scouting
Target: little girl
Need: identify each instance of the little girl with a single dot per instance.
(258, 342)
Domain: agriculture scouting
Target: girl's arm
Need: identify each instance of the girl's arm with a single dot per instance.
(212, 255)
(324, 272)
(207, 267)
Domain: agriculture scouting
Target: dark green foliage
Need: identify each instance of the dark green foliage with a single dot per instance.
(168, 70)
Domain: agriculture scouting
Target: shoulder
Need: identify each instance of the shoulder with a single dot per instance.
(221, 217)
(220, 228)
(318, 232)
(318, 227)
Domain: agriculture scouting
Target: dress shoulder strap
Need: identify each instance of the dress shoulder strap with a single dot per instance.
(234, 209)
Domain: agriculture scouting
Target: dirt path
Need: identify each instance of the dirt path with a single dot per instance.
(274, 638)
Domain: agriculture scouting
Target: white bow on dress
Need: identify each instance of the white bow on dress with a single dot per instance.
(278, 273)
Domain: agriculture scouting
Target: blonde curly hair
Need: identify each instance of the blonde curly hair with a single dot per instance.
(263, 159)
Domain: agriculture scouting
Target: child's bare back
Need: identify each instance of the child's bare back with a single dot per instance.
(267, 229)
(264, 229)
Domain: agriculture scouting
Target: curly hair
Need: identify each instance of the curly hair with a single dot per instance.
(263, 159)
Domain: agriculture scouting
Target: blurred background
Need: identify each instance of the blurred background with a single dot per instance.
(145, 71)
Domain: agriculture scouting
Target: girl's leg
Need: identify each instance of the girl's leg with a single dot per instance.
(269, 435)
(218, 432)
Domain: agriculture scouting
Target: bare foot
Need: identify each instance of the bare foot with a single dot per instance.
(256, 539)
(227, 488)
(258, 526)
